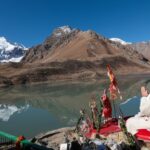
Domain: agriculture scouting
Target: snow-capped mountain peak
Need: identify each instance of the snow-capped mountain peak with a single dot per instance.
(120, 41)
(64, 30)
(7, 46)
(11, 51)
(4, 45)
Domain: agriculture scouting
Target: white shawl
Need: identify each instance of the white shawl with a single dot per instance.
(145, 106)
(142, 119)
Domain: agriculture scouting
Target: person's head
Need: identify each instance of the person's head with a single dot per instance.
(144, 91)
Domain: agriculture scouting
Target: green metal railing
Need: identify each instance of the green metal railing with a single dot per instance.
(8, 139)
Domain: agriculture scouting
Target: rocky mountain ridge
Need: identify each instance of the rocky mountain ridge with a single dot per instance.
(72, 54)
(143, 48)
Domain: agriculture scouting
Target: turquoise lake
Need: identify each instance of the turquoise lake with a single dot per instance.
(31, 109)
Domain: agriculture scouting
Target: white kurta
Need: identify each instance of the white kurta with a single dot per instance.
(142, 119)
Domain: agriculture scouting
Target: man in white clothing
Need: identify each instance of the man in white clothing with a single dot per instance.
(142, 119)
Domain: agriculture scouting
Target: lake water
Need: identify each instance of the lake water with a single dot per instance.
(31, 109)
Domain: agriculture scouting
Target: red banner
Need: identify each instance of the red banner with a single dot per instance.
(113, 87)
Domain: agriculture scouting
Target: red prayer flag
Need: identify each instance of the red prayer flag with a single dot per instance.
(113, 88)
(107, 110)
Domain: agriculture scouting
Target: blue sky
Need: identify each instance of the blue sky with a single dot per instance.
(30, 21)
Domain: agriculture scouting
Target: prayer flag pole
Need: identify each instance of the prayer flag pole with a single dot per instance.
(114, 93)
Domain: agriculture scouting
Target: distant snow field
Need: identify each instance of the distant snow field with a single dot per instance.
(11, 52)
(120, 41)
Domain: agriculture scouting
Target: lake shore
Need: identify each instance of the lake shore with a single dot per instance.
(70, 78)
(53, 139)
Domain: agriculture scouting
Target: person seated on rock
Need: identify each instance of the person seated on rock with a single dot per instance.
(142, 119)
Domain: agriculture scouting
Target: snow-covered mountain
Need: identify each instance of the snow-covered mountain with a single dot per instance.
(120, 41)
(63, 30)
(11, 52)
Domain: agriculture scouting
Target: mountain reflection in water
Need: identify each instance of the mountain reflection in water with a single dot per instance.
(31, 109)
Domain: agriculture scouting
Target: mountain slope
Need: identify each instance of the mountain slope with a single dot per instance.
(11, 52)
(79, 45)
(72, 54)
(60, 36)
(143, 48)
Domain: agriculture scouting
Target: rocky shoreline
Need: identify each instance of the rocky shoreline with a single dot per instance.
(115, 141)
(60, 138)
(33, 77)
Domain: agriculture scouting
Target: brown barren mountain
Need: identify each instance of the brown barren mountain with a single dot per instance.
(143, 48)
(73, 54)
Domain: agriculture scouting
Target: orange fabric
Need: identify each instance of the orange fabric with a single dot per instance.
(113, 88)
